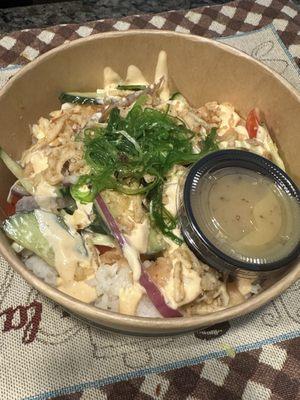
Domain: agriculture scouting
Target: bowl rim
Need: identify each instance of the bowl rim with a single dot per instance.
(133, 324)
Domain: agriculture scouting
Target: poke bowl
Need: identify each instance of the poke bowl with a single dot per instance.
(97, 139)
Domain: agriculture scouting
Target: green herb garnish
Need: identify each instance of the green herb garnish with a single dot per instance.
(146, 142)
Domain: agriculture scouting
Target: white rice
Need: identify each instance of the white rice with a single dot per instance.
(41, 269)
(147, 309)
(108, 281)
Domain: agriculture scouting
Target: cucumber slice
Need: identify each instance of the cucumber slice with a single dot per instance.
(24, 229)
(179, 96)
(156, 242)
(134, 88)
(176, 96)
(79, 98)
(16, 170)
(99, 239)
(98, 225)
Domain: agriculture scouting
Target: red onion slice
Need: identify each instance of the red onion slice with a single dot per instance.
(129, 252)
(110, 221)
(153, 292)
(29, 203)
(157, 298)
(26, 203)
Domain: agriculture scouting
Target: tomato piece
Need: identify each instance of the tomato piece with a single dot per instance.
(252, 123)
(9, 209)
(102, 249)
(14, 198)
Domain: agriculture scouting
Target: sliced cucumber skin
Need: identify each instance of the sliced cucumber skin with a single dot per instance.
(24, 229)
(99, 225)
(99, 239)
(134, 88)
(179, 96)
(79, 98)
(156, 242)
(92, 98)
(176, 96)
(16, 170)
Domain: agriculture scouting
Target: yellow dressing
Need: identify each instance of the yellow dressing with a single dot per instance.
(246, 215)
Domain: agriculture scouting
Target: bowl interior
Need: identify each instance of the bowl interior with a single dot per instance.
(202, 70)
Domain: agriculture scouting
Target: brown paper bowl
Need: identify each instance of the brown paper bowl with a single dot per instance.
(203, 71)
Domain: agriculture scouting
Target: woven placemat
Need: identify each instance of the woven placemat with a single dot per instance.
(214, 21)
(45, 353)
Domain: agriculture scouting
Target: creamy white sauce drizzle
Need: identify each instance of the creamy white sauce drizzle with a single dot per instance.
(80, 290)
(138, 237)
(133, 258)
(39, 162)
(135, 76)
(191, 286)
(81, 217)
(162, 71)
(45, 195)
(129, 298)
(111, 78)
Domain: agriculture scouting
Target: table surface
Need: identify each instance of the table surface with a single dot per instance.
(37, 16)
(249, 375)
